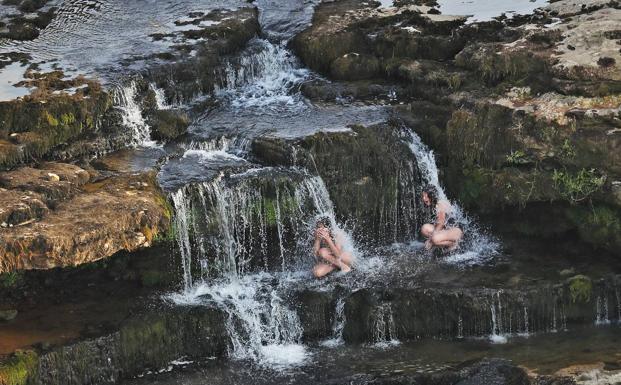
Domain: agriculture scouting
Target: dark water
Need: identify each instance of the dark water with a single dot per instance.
(544, 354)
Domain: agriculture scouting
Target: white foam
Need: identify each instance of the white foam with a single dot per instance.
(131, 115)
(284, 356)
(498, 339)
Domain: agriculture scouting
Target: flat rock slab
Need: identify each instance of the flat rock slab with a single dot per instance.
(58, 219)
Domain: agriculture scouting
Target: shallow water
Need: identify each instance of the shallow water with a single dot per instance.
(95, 37)
(543, 354)
(486, 10)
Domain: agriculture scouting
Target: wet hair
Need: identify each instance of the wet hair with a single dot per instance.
(324, 221)
(432, 193)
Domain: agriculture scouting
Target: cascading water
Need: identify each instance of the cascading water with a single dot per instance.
(498, 335)
(384, 330)
(338, 325)
(132, 115)
(225, 225)
(263, 77)
(223, 230)
(602, 316)
(160, 98)
(476, 246)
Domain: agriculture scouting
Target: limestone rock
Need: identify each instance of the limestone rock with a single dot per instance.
(70, 222)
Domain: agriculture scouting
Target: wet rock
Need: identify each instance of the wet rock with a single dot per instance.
(50, 119)
(494, 372)
(183, 76)
(148, 341)
(406, 314)
(316, 314)
(7, 315)
(69, 222)
(369, 172)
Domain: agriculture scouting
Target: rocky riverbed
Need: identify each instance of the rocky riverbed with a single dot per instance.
(162, 167)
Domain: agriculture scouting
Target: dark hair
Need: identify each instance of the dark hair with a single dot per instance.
(432, 193)
(324, 221)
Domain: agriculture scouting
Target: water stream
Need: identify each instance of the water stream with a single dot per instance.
(244, 231)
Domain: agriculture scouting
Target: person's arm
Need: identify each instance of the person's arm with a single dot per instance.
(335, 249)
(317, 243)
(440, 220)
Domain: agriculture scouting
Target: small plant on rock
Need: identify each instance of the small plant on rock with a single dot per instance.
(580, 288)
(517, 158)
(580, 186)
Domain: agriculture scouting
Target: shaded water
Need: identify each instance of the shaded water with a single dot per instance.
(545, 354)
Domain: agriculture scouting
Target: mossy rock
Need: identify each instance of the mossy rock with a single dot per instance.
(168, 124)
(580, 288)
(599, 225)
(354, 66)
(19, 369)
(45, 123)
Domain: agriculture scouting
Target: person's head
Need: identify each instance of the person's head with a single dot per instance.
(323, 222)
(430, 195)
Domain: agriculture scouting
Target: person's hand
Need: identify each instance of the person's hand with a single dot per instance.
(324, 233)
(428, 245)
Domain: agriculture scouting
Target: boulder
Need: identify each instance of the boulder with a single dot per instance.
(68, 222)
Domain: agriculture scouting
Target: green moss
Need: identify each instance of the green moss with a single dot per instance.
(10, 280)
(517, 158)
(579, 186)
(51, 120)
(19, 369)
(148, 341)
(269, 210)
(567, 150)
(580, 288)
(599, 225)
(67, 119)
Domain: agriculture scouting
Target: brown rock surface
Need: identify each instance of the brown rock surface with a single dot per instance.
(73, 221)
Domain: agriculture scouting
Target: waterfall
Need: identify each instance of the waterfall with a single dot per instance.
(160, 98)
(602, 316)
(618, 297)
(131, 113)
(384, 330)
(338, 325)
(263, 76)
(260, 326)
(476, 246)
(225, 225)
(498, 335)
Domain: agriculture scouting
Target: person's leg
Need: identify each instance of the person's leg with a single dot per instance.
(328, 257)
(427, 230)
(322, 269)
(447, 238)
(347, 258)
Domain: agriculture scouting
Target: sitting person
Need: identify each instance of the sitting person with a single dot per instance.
(443, 233)
(329, 250)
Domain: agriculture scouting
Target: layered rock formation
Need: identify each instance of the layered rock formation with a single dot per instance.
(523, 112)
(59, 215)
